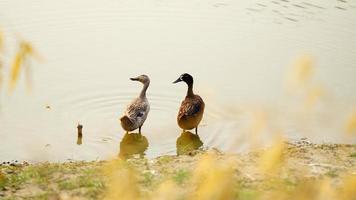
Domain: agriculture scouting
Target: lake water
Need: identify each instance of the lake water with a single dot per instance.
(239, 53)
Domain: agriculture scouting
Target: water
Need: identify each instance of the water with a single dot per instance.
(239, 53)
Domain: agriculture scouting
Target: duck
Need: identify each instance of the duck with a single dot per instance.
(137, 111)
(192, 107)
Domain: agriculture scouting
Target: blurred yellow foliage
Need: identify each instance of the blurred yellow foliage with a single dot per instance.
(213, 179)
(15, 68)
(351, 124)
(1, 41)
(122, 181)
(309, 190)
(301, 83)
(326, 190)
(1, 51)
(313, 96)
(25, 52)
(323, 189)
(258, 124)
(167, 190)
(302, 72)
(272, 159)
(348, 189)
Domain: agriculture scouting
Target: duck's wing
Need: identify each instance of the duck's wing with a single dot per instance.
(191, 107)
(137, 109)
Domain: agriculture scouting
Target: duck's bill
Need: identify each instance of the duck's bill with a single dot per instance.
(134, 79)
(178, 80)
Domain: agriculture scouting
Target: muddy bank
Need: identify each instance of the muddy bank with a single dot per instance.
(297, 164)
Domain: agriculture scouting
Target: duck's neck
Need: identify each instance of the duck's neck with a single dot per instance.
(190, 92)
(144, 89)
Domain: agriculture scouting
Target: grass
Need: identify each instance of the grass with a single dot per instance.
(67, 185)
(248, 194)
(164, 159)
(332, 173)
(181, 176)
(47, 179)
(147, 179)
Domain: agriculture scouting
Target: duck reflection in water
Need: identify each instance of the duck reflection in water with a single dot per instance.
(133, 144)
(187, 142)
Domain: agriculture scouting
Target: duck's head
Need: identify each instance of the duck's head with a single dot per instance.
(142, 78)
(186, 78)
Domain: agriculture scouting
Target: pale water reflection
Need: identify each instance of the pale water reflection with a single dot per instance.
(187, 142)
(239, 53)
(133, 144)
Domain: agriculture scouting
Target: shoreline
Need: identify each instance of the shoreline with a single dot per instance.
(292, 163)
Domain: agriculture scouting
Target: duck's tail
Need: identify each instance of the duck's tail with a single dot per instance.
(126, 123)
(125, 119)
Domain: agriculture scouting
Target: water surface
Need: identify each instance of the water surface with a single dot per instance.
(239, 53)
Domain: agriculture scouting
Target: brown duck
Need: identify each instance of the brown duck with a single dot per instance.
(192, 108)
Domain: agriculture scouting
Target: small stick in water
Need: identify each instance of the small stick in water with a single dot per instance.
(80, 134)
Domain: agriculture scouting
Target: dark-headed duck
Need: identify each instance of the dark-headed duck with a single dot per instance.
(192, 108)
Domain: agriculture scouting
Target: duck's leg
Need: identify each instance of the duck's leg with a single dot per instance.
(196, 130)
(139, 130)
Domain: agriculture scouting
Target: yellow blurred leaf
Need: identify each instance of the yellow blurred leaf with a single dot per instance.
(1, 41)
(30, 51)
(258, 124)
(213, 179)
(301, 73)
(167, 190)
(350, 126)
(303, 70)
(272, 159)
(327, 191)
(15, 69)
(1, 79)
(313, 96)
(122, 181)
(348, 190)
(25, 51)
(26, 47)
(1, 49)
